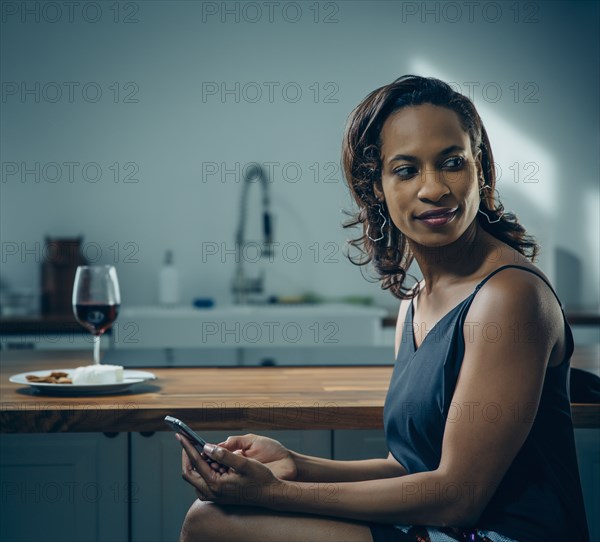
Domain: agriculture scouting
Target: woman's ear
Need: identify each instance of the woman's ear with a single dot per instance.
(478, 166)
(378, 191)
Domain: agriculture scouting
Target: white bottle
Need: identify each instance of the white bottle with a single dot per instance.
(168, 282)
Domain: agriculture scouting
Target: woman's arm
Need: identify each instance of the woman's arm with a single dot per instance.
(497, 392)
(420, 498)
(317, 469)
(289, 465)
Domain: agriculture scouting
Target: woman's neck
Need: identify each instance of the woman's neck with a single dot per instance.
(450, 264)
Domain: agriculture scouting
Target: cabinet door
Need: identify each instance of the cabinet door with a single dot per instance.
(161, 498)
(63, 487)
(354, 444)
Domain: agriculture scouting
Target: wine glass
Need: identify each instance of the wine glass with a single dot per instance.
(96, 300)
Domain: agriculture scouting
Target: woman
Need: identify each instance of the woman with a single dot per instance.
(477, 416)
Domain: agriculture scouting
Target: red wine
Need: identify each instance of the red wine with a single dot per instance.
(96, 318)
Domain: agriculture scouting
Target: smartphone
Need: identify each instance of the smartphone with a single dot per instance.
(181, 428)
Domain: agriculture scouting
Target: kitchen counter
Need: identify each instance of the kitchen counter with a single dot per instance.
(20, 325)
(47, 323)
(218, 398)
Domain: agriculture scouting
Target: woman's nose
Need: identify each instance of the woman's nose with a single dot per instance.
(434, 185)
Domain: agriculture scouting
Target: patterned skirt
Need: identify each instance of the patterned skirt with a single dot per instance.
(419, 533)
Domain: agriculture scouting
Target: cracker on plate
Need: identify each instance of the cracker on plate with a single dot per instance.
(55, 377)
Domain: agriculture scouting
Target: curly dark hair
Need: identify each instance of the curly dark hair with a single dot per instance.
(361, 162)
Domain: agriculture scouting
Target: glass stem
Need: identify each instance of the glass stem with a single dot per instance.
(96, 349)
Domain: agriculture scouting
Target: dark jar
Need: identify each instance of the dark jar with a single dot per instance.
(60, 262)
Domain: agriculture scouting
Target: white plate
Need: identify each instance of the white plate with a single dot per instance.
(130, 377)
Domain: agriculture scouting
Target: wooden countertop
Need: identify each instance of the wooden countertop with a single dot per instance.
(218, 398)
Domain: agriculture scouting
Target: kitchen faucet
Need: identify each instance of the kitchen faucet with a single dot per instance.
(241, 285)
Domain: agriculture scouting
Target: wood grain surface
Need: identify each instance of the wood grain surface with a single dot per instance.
(240, 398)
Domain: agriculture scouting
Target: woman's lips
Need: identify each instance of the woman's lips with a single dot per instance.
(439, 220)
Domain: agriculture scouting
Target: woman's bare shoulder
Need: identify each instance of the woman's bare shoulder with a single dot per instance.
(521, 292)
(528, 288)
(496, 254)
(515, 258)
(521, 304)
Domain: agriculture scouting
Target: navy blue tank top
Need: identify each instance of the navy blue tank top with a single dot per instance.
(540, 497)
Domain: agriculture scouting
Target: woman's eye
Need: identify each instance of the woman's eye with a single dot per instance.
(455, 162)
(404, 171)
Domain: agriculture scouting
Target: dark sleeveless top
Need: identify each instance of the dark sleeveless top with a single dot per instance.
(540, 497)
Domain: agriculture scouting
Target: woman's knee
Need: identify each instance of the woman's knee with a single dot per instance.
(203, 520)
(208, 521)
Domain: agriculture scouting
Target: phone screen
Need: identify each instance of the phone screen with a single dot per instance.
(183, 429)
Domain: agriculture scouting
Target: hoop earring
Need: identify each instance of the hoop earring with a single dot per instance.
(384, 223)
(485, 214)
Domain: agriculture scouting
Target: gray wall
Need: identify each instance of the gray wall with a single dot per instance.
(532, 72)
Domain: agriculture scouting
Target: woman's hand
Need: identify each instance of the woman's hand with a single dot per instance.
(242, 481)
(269, 452)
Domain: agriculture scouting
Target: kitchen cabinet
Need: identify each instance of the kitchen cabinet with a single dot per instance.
(160, 497)
(354, 444)
(76, 487)
(63, 487)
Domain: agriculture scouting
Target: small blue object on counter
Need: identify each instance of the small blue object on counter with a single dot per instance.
(203, 302)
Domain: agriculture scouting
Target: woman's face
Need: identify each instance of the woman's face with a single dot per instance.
(427, 165)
